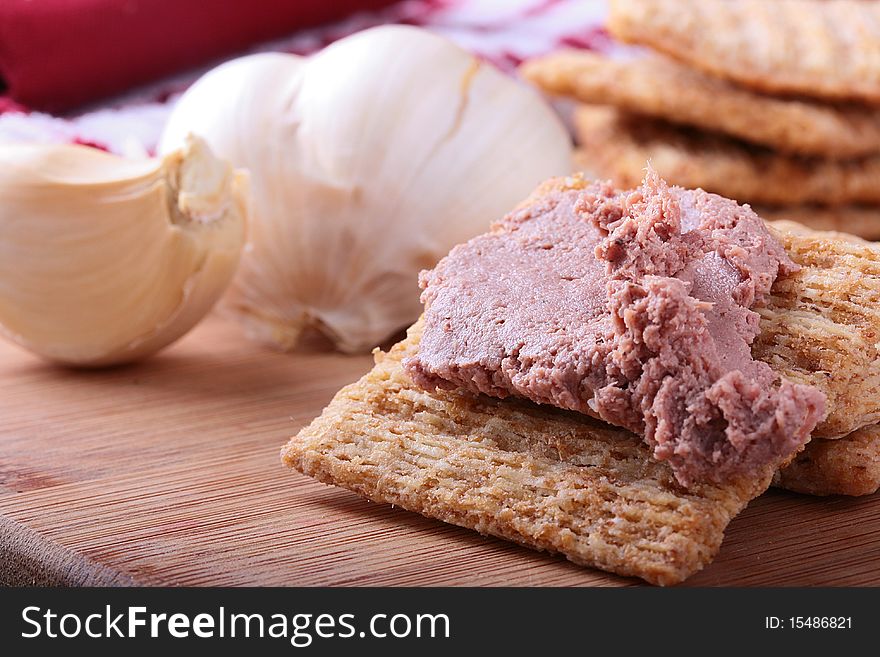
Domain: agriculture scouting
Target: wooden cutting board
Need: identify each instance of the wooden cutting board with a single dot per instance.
(168, 473)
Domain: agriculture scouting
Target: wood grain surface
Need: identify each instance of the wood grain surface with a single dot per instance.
(167, 473)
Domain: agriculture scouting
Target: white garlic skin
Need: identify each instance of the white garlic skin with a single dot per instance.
(105, 260)
(369, 161)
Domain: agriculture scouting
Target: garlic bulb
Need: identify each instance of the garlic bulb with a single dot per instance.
(368, 161)
(105, 260)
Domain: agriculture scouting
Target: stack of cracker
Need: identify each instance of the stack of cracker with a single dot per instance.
(774, 104)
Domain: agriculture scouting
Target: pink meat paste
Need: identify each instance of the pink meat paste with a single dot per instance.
(633, 307)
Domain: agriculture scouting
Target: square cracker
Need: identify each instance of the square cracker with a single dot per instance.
(548, 479)
(824, 48)
(656, 86)
(821, 325)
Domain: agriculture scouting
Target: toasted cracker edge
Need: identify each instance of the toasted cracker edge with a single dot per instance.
(848, 466)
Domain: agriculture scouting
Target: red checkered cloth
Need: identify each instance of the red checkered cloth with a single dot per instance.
(503, 31)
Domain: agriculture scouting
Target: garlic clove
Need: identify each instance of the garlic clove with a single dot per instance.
(105, 260)
(369, 161)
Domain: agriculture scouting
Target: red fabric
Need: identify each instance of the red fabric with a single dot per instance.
(56, 54)
(9, 105)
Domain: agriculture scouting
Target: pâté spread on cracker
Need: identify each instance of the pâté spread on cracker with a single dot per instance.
(654, 310)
